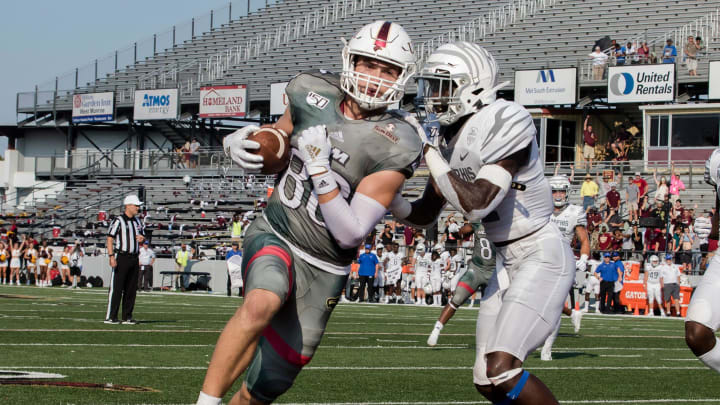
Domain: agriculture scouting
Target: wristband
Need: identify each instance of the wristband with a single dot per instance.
(324, 183)
(584, 258)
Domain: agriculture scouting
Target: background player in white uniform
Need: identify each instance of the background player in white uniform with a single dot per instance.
(436, 276)
(379, 281)
(654, 284)
(393, 273)
(671, 284)
(703, 315)
(592, 286)
(423, 262)
(571, 221)
(495, 174)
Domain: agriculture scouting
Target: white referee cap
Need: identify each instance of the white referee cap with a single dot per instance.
(132, 199)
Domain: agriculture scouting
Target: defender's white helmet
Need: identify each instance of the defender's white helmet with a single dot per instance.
(445, 285)
(428, 288)
(458, 79)
(560, 183)
(385, 41)
(420, 249)
(654, 261)
(712, 166)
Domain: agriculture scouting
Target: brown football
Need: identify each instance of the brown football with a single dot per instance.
(274, 148)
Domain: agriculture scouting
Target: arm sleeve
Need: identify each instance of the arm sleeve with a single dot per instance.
(113, 230)
(350, 223)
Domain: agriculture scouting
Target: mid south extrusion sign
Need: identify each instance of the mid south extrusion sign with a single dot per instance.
(546, 87)
(641, 83)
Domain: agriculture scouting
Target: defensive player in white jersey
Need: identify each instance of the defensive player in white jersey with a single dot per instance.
(654, 284)
(571, 221)
(495, 174)
(703, 315)
(439, 266)
(422, 264)
(393, 273)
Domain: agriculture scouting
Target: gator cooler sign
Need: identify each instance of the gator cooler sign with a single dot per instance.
(641, 83)
(223, 101)
(160, 104)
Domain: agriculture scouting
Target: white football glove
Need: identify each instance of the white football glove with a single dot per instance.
(237, 146)
(314, 148)
(581, 264)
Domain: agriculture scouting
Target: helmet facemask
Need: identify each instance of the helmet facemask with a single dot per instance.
(440, 97)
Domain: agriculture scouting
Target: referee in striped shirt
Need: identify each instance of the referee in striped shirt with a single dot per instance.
(124, 236)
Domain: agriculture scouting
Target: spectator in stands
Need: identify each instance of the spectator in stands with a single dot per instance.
(594, 217)
(588, 192)
(676, 184)
(604, 239)
(617, 240)
(638, 246)
(181, 260)
(452, 233)
(599, 60)
(235, 251)
(662, 187)
(589, 147)
(408, 235)
(603, 189)
(631, 53)
(236, 228)
(146, 258)
(691, 53)
(671, 288)
(194, 149)
(641, 183)
(614, 220)
(369, 265)
(386, 237)
(683, 243)
(669, 52)
(643, 53)
(632, 195)
(613, 198)
(619, 53)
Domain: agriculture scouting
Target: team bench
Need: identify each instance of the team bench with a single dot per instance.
(197, 275)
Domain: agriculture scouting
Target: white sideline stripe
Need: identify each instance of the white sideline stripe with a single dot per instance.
(104, 344)
(334, 368)
(586, 401)
(684, 359)
(620, 355)
(397, 341)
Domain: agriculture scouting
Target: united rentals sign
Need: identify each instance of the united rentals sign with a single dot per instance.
(223, 101)
(641, 83)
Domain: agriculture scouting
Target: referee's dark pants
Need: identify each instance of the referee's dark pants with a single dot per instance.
(123, 286)
(607, 288)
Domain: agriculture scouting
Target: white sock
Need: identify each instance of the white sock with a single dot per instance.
(550, 341)
(205, 399)
(438, 325)
(712, 358)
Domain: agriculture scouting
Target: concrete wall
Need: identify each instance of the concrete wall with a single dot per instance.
(99, 266)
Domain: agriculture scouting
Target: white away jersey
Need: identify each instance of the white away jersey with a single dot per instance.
(423, 263)
(457, 263)
(394, 260)
(438, 266)
(490, 135)
(567, 219)
(653, 274)
(381, 260)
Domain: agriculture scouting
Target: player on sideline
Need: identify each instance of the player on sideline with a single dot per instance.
(571, 221)
(654, 285)
(471, 278)
(703, 315)
(349, 158)
(393, 273)
(495, 174)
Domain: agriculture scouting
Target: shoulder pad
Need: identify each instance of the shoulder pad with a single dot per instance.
(322, 83)
(498, 130)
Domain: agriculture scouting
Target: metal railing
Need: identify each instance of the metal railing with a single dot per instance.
(481, 27)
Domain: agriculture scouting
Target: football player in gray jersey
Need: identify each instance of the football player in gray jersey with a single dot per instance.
(349, 158)
(495, 175)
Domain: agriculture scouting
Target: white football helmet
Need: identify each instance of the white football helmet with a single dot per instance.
(420, 249)
(458, 79)
(654, 261)
(445, 285)
(428, 288)
(384, 41)
(560, 183)
(712, 168)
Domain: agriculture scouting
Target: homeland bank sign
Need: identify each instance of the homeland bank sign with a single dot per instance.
(641, 83)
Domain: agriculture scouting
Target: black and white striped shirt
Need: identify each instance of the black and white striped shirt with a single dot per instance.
(124, 231)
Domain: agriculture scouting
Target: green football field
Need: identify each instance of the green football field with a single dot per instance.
(370, 354)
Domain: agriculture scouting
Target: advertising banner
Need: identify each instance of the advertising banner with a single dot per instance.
(714, 85)
(641, 83)
(93, 107)
(278, 99)
(546, 87)
(223, 101)
(160, 104)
